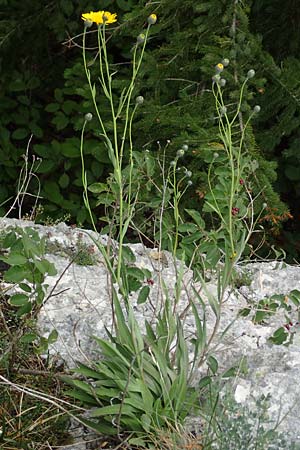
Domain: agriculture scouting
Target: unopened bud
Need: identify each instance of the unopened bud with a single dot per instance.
(222, 82)
(185, 147)
(139, 100)
(152, 19)
(219, 68)
(88, 117)
(88, 24)
(141, 38)
(256, 109)
(216, 155)
(190, 183)
(225, 62)
(180, 153)
(250, 73)
(188, 173)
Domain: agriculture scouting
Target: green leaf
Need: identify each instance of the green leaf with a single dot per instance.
(114, 410)
(279, 337)
(187, 227)
(52, 337)
(60, 121)
(196, 216)
(212, 364)
(18, 299)
(64, 180)
(25, 287)
(20, 133)
(292, 173)
(143, 295)
(58, 94)
(28, 338)
(16, 274)
(14, 259)
(44, 267)
(25, 309)
(97, 188)
(52, 107)
(205, 381)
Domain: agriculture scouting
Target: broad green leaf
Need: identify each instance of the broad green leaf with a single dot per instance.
(16, 274)
(25, 287)
(52, 337)
(14, 259)
(28, 338)
(212, 364)
(143, 295)
(19, 299)
(64, 180)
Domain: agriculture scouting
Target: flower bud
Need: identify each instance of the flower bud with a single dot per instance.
(264, 205)
(139, 100)
(88, 117)
(216, 78)
(180, 153)
(172, 163)
(88, 24)
(188, 173)
(223, 110)
(219, 68)
(190, 183)
(250, 73)
(222, 82)
(185, 147)
(256, 109)
(216, 155)
(141, 38)
(225, 62)
(152, 19)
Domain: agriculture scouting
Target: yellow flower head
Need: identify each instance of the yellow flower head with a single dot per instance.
(152, 19)
(219, 67)
(100, 17)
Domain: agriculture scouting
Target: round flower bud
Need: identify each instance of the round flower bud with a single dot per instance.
(190, 183)
(222, 82)
(185, 147)
(180, 153)
(141, 38)
(172, 163)
(188, 173)
(250, 73)
(88, 24)
(216, 155)
(256, 109)
(223, 110)
(219, 68)
(139, 100)
(88, 117)
(152, 19)
(264, 205)
(225, 62)
(216, 78)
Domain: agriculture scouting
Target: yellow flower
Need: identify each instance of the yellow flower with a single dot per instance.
(100, 17)
(219, 67)
(152, 19)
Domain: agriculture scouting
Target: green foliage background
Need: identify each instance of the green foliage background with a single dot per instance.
(44, 93)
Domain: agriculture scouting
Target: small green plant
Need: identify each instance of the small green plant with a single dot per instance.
(266, 308)
(23, 251)
(80, 253)
(235, 426)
